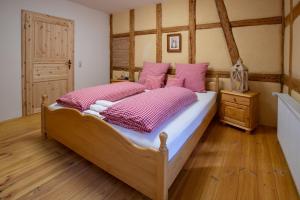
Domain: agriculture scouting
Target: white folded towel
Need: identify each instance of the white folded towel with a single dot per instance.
(94, 113)
(106, 103)
(97, 108)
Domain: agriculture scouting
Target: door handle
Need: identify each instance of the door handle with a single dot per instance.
(69, 63)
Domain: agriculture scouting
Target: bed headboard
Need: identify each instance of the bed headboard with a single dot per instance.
(213, 84)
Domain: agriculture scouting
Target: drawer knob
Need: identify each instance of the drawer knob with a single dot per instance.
(234, 99)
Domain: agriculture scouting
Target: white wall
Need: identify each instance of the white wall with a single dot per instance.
(91, 47)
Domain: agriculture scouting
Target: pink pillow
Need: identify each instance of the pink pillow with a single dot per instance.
(83, 98)
(154, 82)
(153, 69)
(193, 75)
(172, 81)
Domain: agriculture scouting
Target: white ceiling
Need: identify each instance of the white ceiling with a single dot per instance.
(111, 6)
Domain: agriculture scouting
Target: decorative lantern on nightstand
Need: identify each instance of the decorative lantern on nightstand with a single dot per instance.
(239, 77)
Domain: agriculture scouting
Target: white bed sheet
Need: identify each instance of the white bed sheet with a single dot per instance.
(178, 128)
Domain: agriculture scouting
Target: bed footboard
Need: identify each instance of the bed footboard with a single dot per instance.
(144, 169)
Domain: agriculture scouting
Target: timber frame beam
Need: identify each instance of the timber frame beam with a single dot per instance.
(191, 28)
(294, 13)
(295, 83)
(192, 31)
(288, 79)
(227, 29)
(158, 33)
(234, 24)
(131, 46)
(273, 78)
(282, 42)
(110, 45)
(291, 15)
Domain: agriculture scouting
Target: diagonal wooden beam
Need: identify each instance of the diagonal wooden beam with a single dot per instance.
(192, 31)
(296, 13)
(227, 29)
(158, 33)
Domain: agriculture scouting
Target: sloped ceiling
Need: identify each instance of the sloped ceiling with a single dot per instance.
(111, 6)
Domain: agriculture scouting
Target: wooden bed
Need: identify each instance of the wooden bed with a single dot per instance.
(145, 169)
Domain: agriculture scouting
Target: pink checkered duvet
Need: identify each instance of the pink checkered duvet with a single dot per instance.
(146, 111)
(83, 98)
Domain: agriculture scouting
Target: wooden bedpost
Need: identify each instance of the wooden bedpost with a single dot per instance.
(162, 186)
(43, 106)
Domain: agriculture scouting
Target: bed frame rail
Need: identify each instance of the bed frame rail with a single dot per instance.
(144, 169)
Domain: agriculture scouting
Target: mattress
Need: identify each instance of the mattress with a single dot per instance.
(178, 128)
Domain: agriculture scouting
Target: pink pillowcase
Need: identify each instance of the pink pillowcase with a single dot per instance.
(193, 75)
(172, 81)
(153, 69)
(154, 82)
(83, 98)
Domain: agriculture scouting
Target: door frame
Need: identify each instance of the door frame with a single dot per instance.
(23, 54)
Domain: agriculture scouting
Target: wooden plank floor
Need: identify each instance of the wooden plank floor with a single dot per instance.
(228, 164)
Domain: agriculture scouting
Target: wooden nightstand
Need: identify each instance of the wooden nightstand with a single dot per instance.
(239, 109)
(118, 80)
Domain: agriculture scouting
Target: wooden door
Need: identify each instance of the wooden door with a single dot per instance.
(47, 58)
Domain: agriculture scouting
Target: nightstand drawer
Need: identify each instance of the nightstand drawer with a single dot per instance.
(236, 99)
(235, 113)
